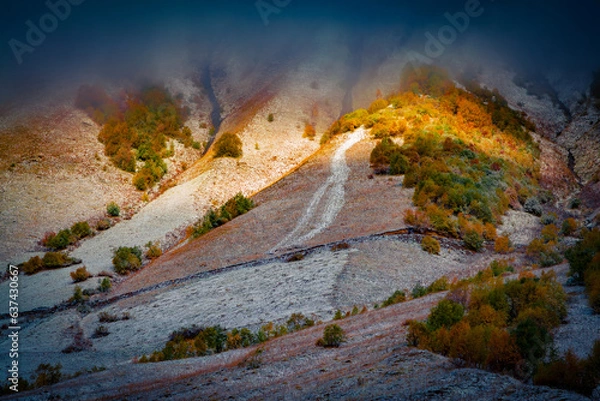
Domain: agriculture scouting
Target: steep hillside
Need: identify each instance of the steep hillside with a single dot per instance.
(338, 231)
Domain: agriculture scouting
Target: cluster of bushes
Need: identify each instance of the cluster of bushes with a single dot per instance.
(496, 325)
(338, 315)
(584, 260)
(441, 284)
(45, 375)
(466, 153)
(503, 244)
(228, 145)
(572, 373)
(418, 291)
(127, 259)
(214, 218)
(50, 260)
(473, 232)
(81, 296)
(545, 249)
(67, 237)
(138, 132)
(200, 341)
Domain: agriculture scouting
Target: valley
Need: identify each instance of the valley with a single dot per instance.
(330, 235)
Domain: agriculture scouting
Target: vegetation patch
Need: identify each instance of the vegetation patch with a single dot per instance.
(135, 134)
(584, 261)
(45, 375)
(465, 152)
(229, 145)
(80, 275)
(333, 336)
(496, 325)
(338, 315)
(50, 260)
(200, 341)
(214, 218)
(441, 284)
(430, 245)
(113, 210)
(127, 259)
(572, 373)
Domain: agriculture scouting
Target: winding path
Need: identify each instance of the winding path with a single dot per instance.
(331, 195)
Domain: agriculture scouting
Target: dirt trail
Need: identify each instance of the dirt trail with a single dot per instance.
(331, 193)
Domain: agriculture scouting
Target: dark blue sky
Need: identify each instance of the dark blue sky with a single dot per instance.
(120, 37)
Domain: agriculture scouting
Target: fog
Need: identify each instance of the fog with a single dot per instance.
(132, 40)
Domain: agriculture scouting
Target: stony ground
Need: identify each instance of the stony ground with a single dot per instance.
(258, 288)
(292, 367)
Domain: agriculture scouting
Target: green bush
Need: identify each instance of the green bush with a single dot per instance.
(153, 250)
(569, 226)
(378, 105)
(104, 285)
(445, 314)
(228, 145)
(81, 229)
(33, 265)
(381, 155)
(532, 205)
(548, 218)
(78, 296)
(270, 117)
(47, 374)
(441, 284)
(418, 291)
(62, 240)
(550, 233)
(581, 255)
(152, 172)
(473, 240)
(113, 209)
(430, 245)
(103, 224)
(532, 339)
(53, 260)
(399, 164)
(233, 208)
(298, 321)
(499, 267)
(127, 259)
(80, 275)
(333, 336)
(395, 298)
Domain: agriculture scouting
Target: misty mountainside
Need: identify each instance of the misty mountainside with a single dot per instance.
(281, 200)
